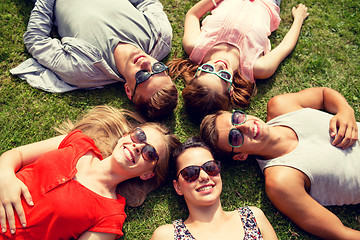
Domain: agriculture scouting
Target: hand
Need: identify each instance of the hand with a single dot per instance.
(11, 189)
(344, 129)
(300, 12)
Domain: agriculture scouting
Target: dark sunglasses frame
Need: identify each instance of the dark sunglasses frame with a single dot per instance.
(138, 135)
(196, 170)
(235, 130)
(216, 73)
(143, 75)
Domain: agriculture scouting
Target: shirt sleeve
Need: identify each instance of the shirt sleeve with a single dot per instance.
(159, 24)
(110, 224)
(74, 60)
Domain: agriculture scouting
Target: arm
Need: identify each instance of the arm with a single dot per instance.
(343, 125)
(266, 65)
(285, 188)
(163, 232)
(192, 23)
(266, 229)
(97, 236)
(11, 188)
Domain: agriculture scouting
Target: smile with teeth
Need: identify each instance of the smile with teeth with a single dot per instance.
(204, 188)
(129, 155)
(256, 130)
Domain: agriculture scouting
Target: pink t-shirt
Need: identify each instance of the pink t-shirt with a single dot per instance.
(245, 24)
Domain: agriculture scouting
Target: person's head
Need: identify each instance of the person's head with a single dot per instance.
(109, 126)
(235, 133)
(196, 173)
(211, 86)
(148, 85)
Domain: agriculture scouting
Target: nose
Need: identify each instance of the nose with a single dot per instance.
(138, 147)
(244, 128)
(219, 66)
(146, 65)
(203, 176)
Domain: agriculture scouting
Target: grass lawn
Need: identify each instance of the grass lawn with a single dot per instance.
(327, 54)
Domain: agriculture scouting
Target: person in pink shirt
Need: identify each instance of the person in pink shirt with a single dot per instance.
(229, 49)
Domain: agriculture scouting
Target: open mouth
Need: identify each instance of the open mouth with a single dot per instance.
(204, 188)
(223, 62)
(129, 156)
(256, 130)
(137, 58)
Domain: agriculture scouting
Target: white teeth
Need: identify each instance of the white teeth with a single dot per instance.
(128, 155)
(205, 188)
(255, 130)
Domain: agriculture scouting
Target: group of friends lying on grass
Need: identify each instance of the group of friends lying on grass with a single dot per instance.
(76, 185)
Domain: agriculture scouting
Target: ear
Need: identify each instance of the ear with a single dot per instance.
(127, 91)
(177, 187)
(231, 91)
(240, 156)
(147, 175)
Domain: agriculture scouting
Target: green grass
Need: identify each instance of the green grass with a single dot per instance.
(327, 54)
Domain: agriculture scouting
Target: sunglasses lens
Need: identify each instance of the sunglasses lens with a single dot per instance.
(236, 138)
(212, 168)
(224, 74)
(158, 67)
(142, 76)
(149, 153)
(190, 173)
(138, 135)
(238, 117)
(207, 67)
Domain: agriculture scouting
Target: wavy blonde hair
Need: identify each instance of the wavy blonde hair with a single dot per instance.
(105, 125)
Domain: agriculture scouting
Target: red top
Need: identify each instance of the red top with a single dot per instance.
(64, 208)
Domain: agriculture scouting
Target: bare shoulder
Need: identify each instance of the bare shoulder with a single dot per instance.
(163, 232)
(258, 213)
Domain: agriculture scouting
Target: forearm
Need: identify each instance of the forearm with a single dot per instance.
(201, 8)
(10, 161)
(334, 102)
(289, 42)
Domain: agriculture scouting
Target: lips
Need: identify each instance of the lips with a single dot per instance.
(204, 188)
(256, 130)
(223, 62)
(129, 155)
(138, 57)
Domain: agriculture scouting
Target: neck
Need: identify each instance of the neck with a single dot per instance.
(282, 141)
(226, 52)
(98, 176)
(199, 214)
(121, 54)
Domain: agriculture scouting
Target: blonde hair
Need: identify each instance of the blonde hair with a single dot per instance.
(105, 125)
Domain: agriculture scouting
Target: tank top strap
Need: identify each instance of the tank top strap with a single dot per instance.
(181, 232)
(251, 227)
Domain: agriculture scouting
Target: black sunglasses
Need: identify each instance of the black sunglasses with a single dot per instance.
(236, 137)
(191, 173)
(148, 152)
(143, 75)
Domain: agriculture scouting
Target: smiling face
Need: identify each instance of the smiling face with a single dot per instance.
(128, 154)
(206, 189)
(138, 60)
(254, 130)
(212, 80)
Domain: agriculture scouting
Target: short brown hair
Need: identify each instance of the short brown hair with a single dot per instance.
(161, 104)
(208, 131)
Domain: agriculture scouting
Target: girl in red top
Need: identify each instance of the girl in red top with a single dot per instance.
(75, 185)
